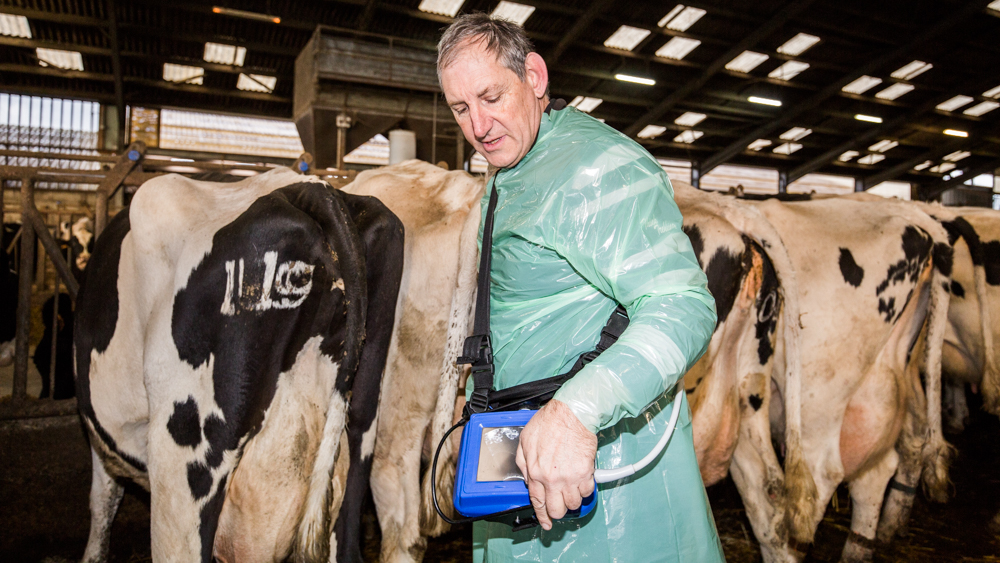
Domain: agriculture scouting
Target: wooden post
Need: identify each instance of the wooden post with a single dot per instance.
(20, 388)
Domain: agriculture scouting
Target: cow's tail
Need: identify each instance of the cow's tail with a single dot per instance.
(462, 304)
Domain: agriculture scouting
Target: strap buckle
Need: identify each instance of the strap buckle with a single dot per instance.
(477, 350)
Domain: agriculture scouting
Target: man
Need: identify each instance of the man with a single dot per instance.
(585, 220)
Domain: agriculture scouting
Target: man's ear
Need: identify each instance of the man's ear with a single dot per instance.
(537, 74)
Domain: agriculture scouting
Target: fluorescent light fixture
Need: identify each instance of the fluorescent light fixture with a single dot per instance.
(746, 61)
(181, 160)
(512, 12)
(183, 74)
(690, 119)
(884, 145)
(954, 103)
(256, 83)
(681, 17)
(626, 37)
(789, 70)
(915, 68)
(923, 165)
(795, 134)
(894, 91)
(677, 48)
(956, 133)
(14, 26)
(225, 54)
(862, 85)
(585, 104)
(943, 167)
(981, 108)
(992, 93)
(66, 60)
(245, 14)
(759, 144)
(868, 118)
(871, 159)
(798, 44)
(651, 131)
(847, 156)
(764, 101)
(635, 79)
(957, 155)
(787, 148)
(688, 137)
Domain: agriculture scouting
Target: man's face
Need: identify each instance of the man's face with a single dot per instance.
(498, 113)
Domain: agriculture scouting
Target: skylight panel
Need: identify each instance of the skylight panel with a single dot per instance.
(957, 155)
(954, 103)
(512, 12)
(795, 134)
(14, 26)
(992, 93)
(907, 72)
(894, 91)
(224, 54)
(690, 119)
(681, 17)
(798, 44)
(847, 156)
(994, 6)
(943, 167)
(746, 61)
(759, 144)
(862, 85)
(981, 108)
(677, 48)
(256, 83)
(787, 148)
(651, 131)
(585, 104)
(789, 70)
(183, 74)
(688, 137)
(871, 159)
(923, 165)
(66, 60)
(626, 38)
(441, 7)
(884, 145)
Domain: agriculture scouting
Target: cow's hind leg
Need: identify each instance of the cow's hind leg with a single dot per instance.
(105, 496)
(903, 487)
(867, 491)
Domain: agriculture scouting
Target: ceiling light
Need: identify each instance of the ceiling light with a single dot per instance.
(688, 137)
(883, 146)
(681, 17)
(746, 61)
(957, 155)
(225, 54)
(585, 104)
(923, 165)
(787, 148)
(911, 70)
(956, 133)
(789, 70)
(954, 103)
(14, 26)
(981, 108)
(256, 83)
(650, 131)
(626, 37)
(759, 144)
(862, 85)
(764, 101)
(994, 6)
(871, 159)
(798, 44)
(894, 91)
(847, 156)
(245, 14)
(868, 118)
(943, 167)
(992, 93)
(512, 12)
(183, 73)
(677, 48)
(635, 79)
(690, 119)
(795, 134)
(66, 60)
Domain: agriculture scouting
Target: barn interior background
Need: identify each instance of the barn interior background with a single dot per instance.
(769, 97)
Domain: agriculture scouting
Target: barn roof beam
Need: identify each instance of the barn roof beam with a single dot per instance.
(367, 15)
(765, 129)
(56, 17)
(35, 43)
(932, 191)
(116, 65)
(583, 21)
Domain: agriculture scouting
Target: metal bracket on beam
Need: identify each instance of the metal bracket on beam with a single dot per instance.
(128, 161)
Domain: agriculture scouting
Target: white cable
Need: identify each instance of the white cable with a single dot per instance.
(608, 475)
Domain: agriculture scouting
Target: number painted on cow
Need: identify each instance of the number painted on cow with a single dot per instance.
(284, 286)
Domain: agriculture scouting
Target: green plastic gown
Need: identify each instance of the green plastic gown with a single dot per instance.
(585, 219)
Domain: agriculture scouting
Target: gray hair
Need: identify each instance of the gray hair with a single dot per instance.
(505, 39)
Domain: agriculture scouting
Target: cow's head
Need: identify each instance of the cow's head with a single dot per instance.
(82, 242)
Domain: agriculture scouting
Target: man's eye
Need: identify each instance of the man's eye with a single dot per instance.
(458, 111)
(493, 100)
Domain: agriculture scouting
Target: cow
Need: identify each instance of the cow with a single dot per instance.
(81, 245)
(222, 333)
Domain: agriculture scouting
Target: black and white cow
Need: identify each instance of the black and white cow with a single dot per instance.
(226, 336)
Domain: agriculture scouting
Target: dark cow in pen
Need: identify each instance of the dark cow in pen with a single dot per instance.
(227, 335)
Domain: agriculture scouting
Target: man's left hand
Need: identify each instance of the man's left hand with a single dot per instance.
(556, 455)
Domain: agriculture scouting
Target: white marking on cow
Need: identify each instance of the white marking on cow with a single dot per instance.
(291, 279)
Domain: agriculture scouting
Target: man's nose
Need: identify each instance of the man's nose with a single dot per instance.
(481, 122)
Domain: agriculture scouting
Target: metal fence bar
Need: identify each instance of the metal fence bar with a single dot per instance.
(20, 388)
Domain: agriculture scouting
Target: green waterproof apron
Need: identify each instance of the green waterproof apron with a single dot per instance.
(587, 219)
